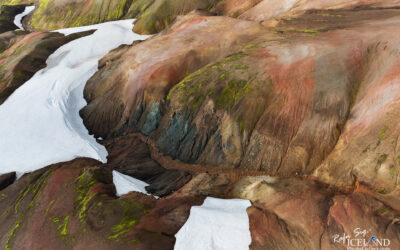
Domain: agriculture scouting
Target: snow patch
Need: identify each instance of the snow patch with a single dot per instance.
(40, 123)
(218, 224)
(18, 18)
(125, 184)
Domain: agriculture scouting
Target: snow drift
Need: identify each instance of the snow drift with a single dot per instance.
(217, 224)
(18, 18)
(39, 123)
(125, 184)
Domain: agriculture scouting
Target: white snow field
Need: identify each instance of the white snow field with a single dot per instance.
(18, 18)
(125, 184)
(40, 123)
(218, 224)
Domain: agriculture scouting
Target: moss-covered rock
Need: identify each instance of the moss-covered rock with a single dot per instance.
(150, 78)
(51, 15)
(162, 12)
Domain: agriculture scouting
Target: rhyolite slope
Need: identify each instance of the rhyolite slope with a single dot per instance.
(51, 15)
(74, 205)
(212, 106)
(155, 15)
(131, 83)
(303, 81)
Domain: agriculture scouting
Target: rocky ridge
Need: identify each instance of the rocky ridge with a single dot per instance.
(292, 105)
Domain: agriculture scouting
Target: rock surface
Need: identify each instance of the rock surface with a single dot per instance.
(75, 203)
(307, 86)
(292, 105)
(128, 89)
(6, 180)
(7, 15)
(24, 58)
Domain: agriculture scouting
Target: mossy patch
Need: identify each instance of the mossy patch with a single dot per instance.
(26, 204)
(381, 159)
(84, 184)
(382, 210)
(392, 170)
(229, 83)
(132, 211)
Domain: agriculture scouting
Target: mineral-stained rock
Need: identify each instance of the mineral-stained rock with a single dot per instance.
(130, 86)
(73, 206)
(162, 12)
(51, 15)
(222, 105)
(129, 155)
(268, 9)
(302, 214)
(235, 8)
(6, 180)
(301, 90)
(28, 55)
(286, 103)
(7, 39)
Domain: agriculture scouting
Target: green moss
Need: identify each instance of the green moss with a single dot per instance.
(382, 210)
(392, 170)
(63, 228)
(241, 126)
(232, 93)
(34, 189)
(382, 158)
(49, 206)
(55, 219)
(306, 32)
(132, 213)
(382, 135)
(190, 88)
(20, 76)
(366, 149)
(227, 83)
(13, 230)
(84, 183)
(223, 75)
(383, 191)
(62, 232)
(241, 66)
(329, 15)
(22, 194)
(312, 32)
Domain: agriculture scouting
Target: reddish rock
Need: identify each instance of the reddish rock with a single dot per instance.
(291, 213)
(129, 88)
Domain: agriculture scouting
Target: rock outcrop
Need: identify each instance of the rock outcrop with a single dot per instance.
(303, 80)
(292, 105)
(7, 15)
(50, 15)
(131, 84)
(26, 56)
(75, 204)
